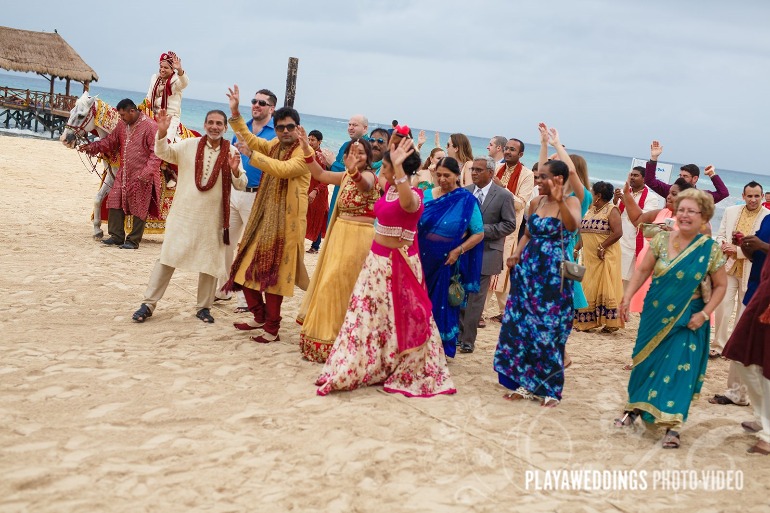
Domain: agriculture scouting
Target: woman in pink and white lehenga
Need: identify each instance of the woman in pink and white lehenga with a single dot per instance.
(389, 336)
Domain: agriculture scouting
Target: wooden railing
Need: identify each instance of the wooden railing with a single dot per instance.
(56, 103)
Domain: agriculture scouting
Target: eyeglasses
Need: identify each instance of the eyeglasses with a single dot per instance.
(688, 211)
(478, 169)
(288, 128)
(378, 140)
(261, 103)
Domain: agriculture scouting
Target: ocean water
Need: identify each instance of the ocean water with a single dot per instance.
(610, 168)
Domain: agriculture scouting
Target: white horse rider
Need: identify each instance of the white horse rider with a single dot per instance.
(91, 114)
(166, 91)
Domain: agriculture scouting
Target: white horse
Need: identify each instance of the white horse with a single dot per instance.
(93, 116)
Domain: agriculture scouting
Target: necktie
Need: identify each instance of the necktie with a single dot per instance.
(480, 196)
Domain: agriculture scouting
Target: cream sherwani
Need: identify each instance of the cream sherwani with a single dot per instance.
(194, 226)
(736, 289)
(501, 284)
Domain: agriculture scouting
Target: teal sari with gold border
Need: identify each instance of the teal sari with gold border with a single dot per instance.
(669, 358)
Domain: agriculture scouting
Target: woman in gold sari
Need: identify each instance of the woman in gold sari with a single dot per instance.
(600, 230)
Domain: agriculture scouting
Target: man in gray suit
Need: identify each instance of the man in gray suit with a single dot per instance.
(499, 221)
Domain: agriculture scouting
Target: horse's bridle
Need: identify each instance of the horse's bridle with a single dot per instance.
(79, 130)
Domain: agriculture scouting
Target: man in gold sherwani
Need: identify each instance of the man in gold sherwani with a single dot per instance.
(520, 180)
(270, 261)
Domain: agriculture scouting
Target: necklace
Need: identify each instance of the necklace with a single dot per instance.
(675, 243)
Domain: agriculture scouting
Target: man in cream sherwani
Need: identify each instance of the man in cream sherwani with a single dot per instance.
(520, 181)
(197, 227)
(745, 219)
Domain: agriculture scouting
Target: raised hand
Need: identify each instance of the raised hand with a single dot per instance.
(243, 148)
(351, 159)
(234, 160)
(655, 150)
(163, 121)
(303, 140)
(556, 184)
(421, 138)
(543, 133)
(626, 188)
(710, 171)
(234, 95)
(398, 154)
(553, 137)
(437, 140)
(176, 62)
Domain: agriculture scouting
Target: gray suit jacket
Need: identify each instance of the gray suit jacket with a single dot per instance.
(499, 221)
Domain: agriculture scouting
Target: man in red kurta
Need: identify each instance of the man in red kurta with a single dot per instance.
(137, 187)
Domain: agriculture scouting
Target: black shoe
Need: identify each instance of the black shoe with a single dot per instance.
(112, 242)
(129, 245)
(204, 315)
(465, 347)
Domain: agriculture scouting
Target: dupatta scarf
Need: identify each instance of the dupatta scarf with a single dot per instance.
(442, 227)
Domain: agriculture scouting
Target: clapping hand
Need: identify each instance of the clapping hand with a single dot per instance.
(235, 161)
(234, 95)
(553, 137)
(556, 184)
(543, 133)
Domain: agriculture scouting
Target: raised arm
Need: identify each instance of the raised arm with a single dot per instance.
(239, 125)
(650, 180)
(162, 149)
(182, 79)
(574, 180)
(407, 198)
(721, 189)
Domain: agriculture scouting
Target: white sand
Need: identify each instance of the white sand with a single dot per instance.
(98, 413)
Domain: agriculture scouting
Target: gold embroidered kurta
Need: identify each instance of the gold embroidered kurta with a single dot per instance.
(291, 270)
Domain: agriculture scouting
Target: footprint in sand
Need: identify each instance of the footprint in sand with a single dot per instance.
(104, 409)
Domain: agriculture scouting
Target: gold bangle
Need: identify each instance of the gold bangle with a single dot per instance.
(707, 316)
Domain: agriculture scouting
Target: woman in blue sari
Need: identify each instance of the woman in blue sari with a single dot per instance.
(672, 345)
(449, 233)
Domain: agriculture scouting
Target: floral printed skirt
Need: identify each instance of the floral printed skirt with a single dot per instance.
(366, 350)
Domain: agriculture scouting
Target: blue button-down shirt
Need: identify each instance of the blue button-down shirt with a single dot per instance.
(254, 174)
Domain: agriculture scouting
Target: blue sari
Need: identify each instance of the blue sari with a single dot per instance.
(443, 226)
(669, 358)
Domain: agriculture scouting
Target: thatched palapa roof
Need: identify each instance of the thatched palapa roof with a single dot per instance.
(46, 53)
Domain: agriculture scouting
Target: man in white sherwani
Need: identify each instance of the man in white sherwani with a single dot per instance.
(197, 226)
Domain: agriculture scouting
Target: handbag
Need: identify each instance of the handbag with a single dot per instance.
(650, 230)
(456, 289)
(569, 270)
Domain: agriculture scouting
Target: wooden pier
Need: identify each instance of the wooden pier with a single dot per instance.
(30, 110)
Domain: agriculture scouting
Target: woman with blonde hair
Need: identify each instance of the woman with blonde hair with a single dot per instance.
(672, 345)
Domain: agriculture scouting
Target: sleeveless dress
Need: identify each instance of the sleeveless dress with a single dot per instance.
(538, 315)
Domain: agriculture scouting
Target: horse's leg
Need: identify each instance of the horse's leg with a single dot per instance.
(103, 192)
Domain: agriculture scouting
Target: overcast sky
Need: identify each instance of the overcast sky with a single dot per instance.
(610, 75)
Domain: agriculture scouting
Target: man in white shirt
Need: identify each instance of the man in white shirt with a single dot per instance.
(632, 242)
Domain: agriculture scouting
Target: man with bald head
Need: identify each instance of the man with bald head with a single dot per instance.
(358, 126)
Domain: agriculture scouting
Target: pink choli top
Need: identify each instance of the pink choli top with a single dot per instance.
(394, 221)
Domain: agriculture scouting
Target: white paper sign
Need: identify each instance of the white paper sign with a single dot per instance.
(662, 172)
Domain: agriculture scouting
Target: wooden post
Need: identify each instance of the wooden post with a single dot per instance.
(86, 85)
(291, 82)
(67, 92)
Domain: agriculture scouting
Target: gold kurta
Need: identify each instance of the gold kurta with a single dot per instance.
(292, 267)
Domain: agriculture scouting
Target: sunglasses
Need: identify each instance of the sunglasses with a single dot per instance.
(378, 140)
(261, 103)
(288, 128)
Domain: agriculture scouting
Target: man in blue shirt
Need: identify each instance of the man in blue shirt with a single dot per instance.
(261, 125)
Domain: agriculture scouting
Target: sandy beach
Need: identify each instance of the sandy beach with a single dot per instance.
(98, 413)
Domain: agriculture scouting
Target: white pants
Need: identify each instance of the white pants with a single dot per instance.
(725, 310)
(759, 392)
(240, 210)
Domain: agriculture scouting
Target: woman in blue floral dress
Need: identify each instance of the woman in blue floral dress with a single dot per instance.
(538, 316)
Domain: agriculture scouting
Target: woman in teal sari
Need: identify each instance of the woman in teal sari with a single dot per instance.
(449, 233)
(672, 345)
